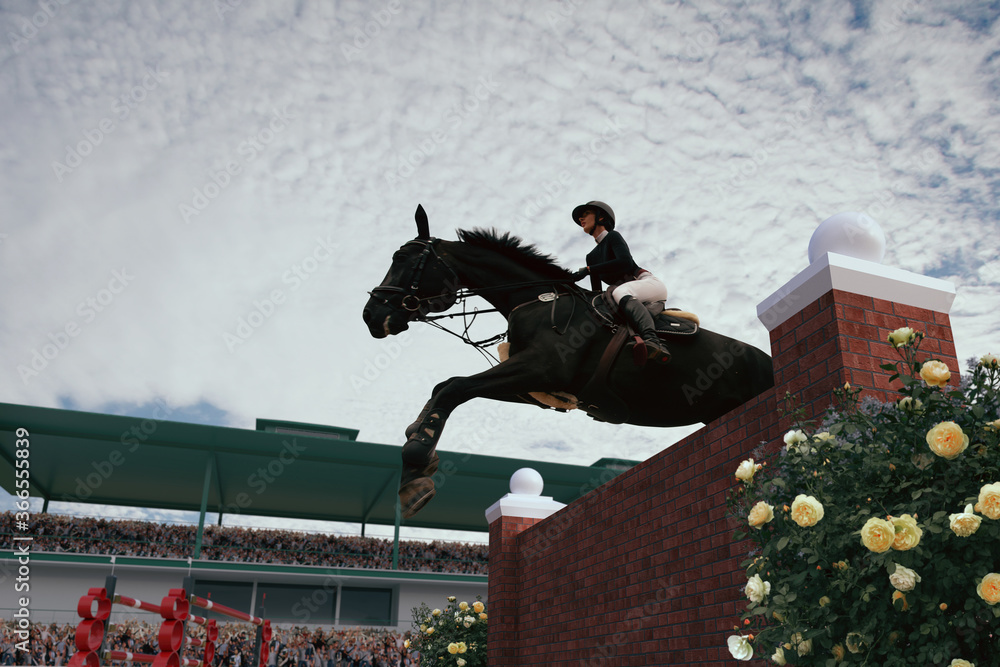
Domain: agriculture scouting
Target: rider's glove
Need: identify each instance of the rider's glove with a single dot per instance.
(577, 275)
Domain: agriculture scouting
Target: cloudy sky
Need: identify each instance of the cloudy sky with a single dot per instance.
(172, 171)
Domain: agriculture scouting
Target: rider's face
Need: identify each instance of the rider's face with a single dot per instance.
(588, 220)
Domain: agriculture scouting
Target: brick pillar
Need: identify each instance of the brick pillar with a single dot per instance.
(508, 518)
(829, 324)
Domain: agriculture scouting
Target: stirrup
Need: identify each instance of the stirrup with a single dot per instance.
(644, 351)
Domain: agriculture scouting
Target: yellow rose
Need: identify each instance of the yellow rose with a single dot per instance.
(436, 612)
(935, 373)
(838, 652)
(947, 440)
(907, 403)
(806, 510)
(453, 648)
(478, 606)
(463, 605)
(824, 436)
(779, 656)
(406, 643)
(482, 616)
(908, 533)
(760, 514)
(451, 598)
(964, 524)
(958, 662)
(430, 631)
(989, 501)
(462, 648)
(823, 601)
(989, 361)
(989, 588)
(899, 595)
(993, 425)
(878, 535)
(746, 470)
(900, 337)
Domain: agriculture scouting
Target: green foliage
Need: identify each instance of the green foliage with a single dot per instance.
(871, 460)
(453, 628)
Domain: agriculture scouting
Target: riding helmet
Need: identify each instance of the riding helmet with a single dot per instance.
(601, 207)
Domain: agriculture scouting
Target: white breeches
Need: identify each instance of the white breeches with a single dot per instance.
(646, 287)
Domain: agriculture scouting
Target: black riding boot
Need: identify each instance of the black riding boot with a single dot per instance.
(652, 348)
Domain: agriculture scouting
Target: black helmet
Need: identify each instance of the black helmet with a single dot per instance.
(602, 209)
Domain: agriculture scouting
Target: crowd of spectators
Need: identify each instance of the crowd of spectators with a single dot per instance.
(126, 537)
(52, 644)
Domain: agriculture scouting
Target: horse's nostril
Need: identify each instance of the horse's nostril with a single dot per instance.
(366, 316)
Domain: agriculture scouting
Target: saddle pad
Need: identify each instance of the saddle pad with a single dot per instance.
(671, 324)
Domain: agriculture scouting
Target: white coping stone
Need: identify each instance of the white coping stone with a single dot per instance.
(859, 276)
(523, 506)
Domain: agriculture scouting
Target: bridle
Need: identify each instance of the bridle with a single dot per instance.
(419, 307)
(411, 301)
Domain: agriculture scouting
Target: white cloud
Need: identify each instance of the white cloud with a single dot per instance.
(740, 128)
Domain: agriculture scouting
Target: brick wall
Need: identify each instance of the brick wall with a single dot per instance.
(643, 570)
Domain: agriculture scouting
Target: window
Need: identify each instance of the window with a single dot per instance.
(366, 606)
(299, 604)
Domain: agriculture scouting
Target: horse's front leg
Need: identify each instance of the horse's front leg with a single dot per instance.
(518, 375)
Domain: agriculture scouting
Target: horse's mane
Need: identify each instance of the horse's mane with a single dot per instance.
(514, 248)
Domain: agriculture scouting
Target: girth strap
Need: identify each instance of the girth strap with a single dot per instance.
(612, 408)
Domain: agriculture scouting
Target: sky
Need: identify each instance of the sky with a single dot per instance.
(196, 196)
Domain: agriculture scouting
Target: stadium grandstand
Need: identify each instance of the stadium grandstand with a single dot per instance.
(327, 591)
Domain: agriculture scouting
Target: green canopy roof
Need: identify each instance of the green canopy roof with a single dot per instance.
(281, 470)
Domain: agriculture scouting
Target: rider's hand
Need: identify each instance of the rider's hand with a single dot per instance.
(577, 275)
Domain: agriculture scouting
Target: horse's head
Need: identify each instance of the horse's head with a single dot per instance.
(418, 282)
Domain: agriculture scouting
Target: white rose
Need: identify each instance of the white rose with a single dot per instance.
(740, 647)
(746, 470)
(806, 647)
(794, 437)
(757, 589)
(903, 579)
(779, 656)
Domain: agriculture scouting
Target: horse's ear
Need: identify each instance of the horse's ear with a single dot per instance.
(423, 227)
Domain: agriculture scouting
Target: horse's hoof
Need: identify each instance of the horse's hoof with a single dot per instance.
(414, 495)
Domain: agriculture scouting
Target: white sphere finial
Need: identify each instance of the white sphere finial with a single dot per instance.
(526, 482)
(852, 234)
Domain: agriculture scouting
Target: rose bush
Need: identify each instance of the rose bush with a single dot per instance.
(451, 637)
(882, 543)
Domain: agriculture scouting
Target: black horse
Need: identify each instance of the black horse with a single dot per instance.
(555, 346)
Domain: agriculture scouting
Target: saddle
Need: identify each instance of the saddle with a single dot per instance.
(668, 322)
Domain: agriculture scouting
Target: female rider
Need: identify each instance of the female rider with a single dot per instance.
(612, 263)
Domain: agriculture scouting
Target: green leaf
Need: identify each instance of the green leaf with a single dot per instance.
(782, 543)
